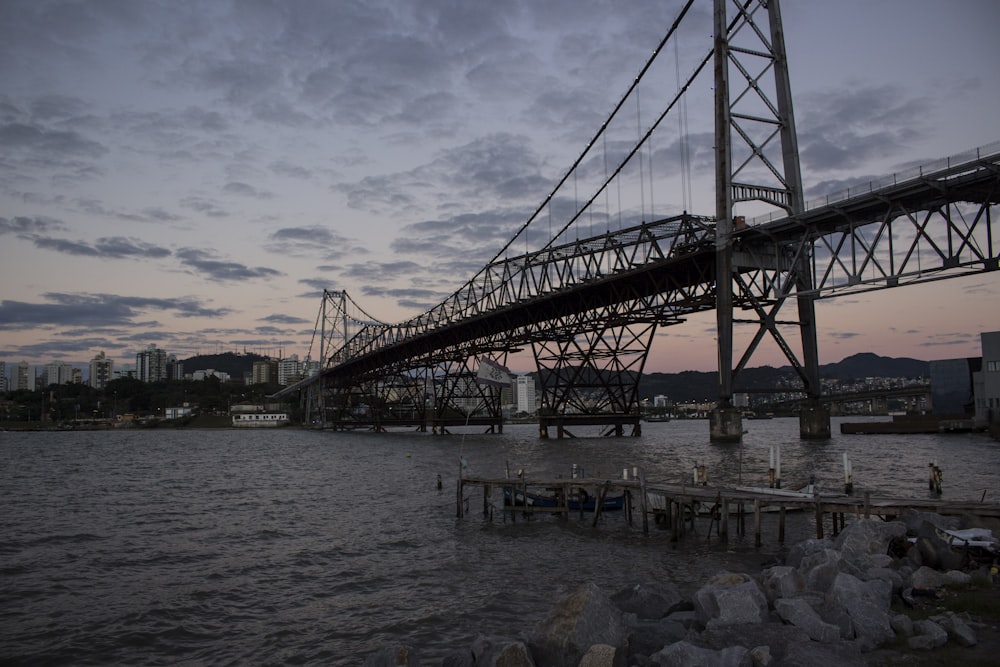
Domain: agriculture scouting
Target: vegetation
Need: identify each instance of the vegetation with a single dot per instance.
(79, 403)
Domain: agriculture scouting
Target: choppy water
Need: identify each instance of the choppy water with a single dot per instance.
(286, 547)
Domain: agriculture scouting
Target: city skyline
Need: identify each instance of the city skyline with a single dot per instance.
(194, 178)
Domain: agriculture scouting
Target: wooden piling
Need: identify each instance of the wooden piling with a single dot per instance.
(781, 525)
(756, 521)
(724, 528)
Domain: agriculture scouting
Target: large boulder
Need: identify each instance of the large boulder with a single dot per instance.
(928, 635)
(800, 550)
(782, 581)
(867, 603)
(926, 578)
(583, 618)
(598, 655)
(499, 652)
(798, 612)
(649, 600)
(957, 629)
(683, 654)
(730, 598)
(864, 541)
(811, 654)
(819, 568)
(647, 636)
(777, 637)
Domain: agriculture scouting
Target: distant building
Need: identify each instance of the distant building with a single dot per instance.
(151, 365)
(526, 395)
(987, 381)
(101, 371)
(57, 372)
(290, 370)
(261, 373)
(4, 384)
(951, 385)
(25, 377)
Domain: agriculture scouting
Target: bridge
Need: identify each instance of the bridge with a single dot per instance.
(588, 305)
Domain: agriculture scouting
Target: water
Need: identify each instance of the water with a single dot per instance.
(288, 546)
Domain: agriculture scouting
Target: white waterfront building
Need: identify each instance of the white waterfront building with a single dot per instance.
(526, 396)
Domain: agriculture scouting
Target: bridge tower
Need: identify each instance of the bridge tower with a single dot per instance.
(762, 164)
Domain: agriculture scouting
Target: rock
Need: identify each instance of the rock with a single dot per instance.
(902, 625)
(819, 569)
(683, 654)
(805, 548)
(599, 655)
(777, 637)
(580, 620)
(782, 581)
(728, 599)
(865, 538)
(929, 635)
(761, 656)
(934, 551)
(797, 612)
(867, 603)
(956, 628)
(847, 587)
(687, 618)
(646, 637)
(928, 578)
(392, 656)
(490, 652)
(650, 600)
(892, 577)
(811, 654)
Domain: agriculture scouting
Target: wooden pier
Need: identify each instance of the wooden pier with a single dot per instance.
(675, 506)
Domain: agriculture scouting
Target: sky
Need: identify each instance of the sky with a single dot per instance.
(194, 174)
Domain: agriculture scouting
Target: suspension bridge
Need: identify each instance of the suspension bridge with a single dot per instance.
(587, 305)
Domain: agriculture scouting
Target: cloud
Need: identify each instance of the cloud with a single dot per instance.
(311, 241)
(245, 190)
(281, 318)
(204, 263)
(116, 247)
(95, 310)
(25, 227)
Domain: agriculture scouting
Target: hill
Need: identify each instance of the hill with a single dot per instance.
(703, 386)
(237, 365)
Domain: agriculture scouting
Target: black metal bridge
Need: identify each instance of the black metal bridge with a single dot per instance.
(588, 307)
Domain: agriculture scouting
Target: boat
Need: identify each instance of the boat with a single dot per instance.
(579, 501)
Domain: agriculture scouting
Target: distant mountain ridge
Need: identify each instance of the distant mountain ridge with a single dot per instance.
(703, 386)
(683, 386)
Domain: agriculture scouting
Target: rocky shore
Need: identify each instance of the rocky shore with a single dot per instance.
(868, 597)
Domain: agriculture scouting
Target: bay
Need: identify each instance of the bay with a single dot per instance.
(298, 547)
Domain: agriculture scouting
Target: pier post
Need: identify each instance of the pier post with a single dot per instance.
(724, 519)
(781, 525)
(642, 503)
(756, 521)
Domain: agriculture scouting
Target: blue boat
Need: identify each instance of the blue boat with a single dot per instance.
(581, 500)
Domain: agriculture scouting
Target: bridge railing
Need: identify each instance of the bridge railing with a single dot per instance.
(970, 157)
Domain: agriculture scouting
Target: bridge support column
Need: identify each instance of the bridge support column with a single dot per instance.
(814, 421)
(725, 424)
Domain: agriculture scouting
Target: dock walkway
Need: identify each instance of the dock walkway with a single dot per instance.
(675, 506)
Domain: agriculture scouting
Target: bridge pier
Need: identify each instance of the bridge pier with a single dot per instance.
(814, 421)
(725, 424)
